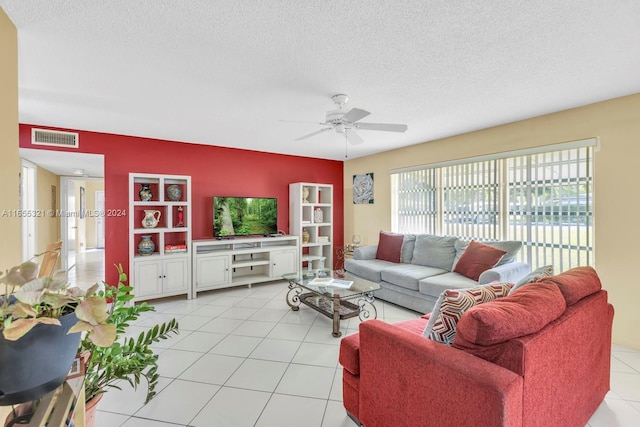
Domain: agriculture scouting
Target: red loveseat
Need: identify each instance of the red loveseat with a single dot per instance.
(537, 357)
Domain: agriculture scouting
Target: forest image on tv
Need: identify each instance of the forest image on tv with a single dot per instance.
(235, 216)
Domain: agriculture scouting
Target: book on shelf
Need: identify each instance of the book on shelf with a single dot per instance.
(323, 239)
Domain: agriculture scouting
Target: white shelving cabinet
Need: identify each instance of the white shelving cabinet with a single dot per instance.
(167, 270)
(303, 217)
(242, 261)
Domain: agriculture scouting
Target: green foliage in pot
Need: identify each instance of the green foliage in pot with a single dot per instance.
(127, 359)
(27, 301)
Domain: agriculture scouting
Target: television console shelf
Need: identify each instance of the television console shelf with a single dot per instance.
(225, 263)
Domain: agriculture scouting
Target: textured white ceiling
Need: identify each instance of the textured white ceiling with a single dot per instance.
(226, 72)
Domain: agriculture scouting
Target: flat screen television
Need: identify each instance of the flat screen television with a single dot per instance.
(244, 216)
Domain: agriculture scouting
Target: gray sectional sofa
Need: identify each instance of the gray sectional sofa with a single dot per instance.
(426, 269)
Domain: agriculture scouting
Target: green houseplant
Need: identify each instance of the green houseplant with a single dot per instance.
(127, 358)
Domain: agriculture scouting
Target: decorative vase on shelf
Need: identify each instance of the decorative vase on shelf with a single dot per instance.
(146, 245)
(318, 215)
(151, 218)
(145, 193)
(305, 194)
(305, 236)
(180, 222)
(174, 192)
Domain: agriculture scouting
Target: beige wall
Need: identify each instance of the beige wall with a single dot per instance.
(48, 226)
(10, 244)
(616, 124)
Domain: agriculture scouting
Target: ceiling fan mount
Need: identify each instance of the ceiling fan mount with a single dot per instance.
(345, 121)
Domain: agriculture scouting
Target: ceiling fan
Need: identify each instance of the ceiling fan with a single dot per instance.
(346, 121)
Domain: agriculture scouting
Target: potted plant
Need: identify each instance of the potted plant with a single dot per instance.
(41, 320)
(126, 359)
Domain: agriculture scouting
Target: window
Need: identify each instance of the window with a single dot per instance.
(541, 198)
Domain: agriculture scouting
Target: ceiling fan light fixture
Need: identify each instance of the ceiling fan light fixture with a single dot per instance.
(340, 128)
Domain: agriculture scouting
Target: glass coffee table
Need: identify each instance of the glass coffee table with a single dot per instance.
(334, 294)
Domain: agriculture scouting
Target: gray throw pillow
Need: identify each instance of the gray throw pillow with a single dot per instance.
(434, 251)
(535, 276)
(408, 245)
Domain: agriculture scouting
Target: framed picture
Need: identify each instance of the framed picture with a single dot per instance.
(363, 189)
(78, 367)
(82, 202)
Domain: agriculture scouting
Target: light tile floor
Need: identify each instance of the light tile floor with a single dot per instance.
(243, 358)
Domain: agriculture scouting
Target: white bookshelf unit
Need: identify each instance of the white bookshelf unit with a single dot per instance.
(303, 217)
(165, 271)
(242, 261)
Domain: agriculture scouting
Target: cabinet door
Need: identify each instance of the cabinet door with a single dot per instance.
(147, 278)
(283, 262)
(175, 275)
(212, 271)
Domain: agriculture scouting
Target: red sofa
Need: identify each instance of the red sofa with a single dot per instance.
(537, 357)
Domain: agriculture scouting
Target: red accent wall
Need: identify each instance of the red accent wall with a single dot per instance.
(214, 171)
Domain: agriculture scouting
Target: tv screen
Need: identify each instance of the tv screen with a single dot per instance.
(244, 216)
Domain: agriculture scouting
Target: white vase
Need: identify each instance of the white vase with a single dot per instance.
(318, 215)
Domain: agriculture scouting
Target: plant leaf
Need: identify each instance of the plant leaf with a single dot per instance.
(103, 335)
(20, 327)
(93, 310)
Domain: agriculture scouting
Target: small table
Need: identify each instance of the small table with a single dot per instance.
(335, 294)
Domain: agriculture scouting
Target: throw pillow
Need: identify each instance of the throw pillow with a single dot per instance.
(390, 246)
(535, 276)
(453, 303)
(478, 258)
(408, 244)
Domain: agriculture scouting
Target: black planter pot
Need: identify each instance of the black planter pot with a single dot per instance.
(38, 362)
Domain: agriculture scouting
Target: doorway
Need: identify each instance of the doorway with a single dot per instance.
(82, 229)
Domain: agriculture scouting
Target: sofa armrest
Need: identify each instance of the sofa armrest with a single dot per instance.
(366, 252)
(408, 380)
(506, 273)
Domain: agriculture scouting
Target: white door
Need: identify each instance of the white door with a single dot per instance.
(28, 206)
(68, 218)
(100, 219)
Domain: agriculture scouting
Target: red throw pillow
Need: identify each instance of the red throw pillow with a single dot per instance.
(390, 246)
(478, 258)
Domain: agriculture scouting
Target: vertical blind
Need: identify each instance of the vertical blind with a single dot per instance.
(542, 198)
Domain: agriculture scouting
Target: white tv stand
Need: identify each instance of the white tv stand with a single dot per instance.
(223, 263)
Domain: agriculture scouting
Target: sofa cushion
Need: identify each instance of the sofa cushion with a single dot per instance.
(408, 275)
(408, 244)
(349, 355)
(535, 276)
(576, 283)
(478, 258)
(389, 246)
(434, 286)
(518, 314)
(453, 303)
(368, 268)
(434, 251)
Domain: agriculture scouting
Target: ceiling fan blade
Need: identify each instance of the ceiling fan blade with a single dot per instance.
(353, 137)
(354, 115)
(389, 127)
(298, 121)
(312, 134)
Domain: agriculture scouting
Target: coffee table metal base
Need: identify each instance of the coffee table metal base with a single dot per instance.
(332, 306)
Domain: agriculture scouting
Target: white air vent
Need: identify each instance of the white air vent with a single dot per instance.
(54, 138)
